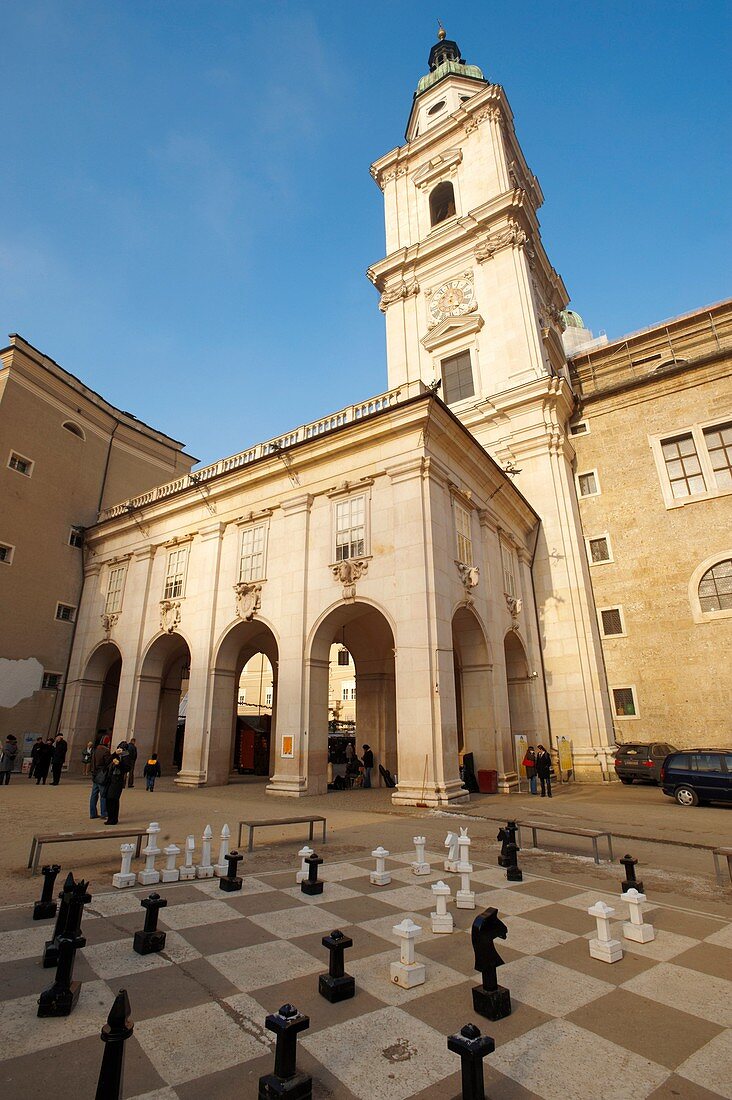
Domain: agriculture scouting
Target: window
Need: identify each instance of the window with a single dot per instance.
(462, 530)
(457, 378)
(344, 658)
(611, 620)
(509, 576)
(74, 429)
(719, 446)
(21, 464)
(51, 681)
(350, 525)
(715, 587)
(706, 762)
(268, 697)
(348, 691)
(176, 573)
(76, 537)
(624, 704)
(115, 585)
(588, 484)
(580, 427)
(241, 697)
(683, 467)
(599, 549)
(442, 203)
(251, 561)
(436, 107)
(6, 554)
(65, 613)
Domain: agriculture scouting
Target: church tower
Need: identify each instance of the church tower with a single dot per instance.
(473, 305)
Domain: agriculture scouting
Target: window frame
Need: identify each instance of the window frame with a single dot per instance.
(183, 548)
(508, 558)
(11, 555)
(698, 615)
(634, 692)
(22, 458)
(588, 473)
(443, 183)
(697, 431)
(603, 561)
(461, 512)
(584, 424)
(51, 687)
(72, 608)
(622, 633)
(339, 502)
(448, 358)
(73, 532)
(246, 530)
(115, 608)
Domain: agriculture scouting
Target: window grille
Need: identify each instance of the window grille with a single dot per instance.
(22, 465)
(683, 467)
(462, 530)
(599, 549)
(51, 681)
(115, 584)
(612, 622)
(457, 378)
(715, 587)
(65, 613)
(176, 572)
(624, 702)
(251, 561)
(350, 541)
(76, 537)
(719, 445)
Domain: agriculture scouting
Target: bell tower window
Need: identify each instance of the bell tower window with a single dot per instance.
(442, 203)
(457, 378)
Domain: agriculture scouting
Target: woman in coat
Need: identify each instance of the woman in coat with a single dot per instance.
(7, 760)
(543, 770)
(114, 786)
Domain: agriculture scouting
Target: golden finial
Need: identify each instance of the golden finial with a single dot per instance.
(442, 33)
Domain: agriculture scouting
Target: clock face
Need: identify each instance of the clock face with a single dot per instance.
(452, 299)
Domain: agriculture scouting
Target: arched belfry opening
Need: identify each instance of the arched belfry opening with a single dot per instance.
(442, 202)
(97, 699)
(162, 684)
(473, 689)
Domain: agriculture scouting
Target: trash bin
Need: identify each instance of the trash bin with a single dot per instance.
(487, 781)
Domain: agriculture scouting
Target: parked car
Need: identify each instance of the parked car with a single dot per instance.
(640, 760)
(696, 776)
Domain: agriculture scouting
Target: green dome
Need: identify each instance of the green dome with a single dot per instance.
(572, 319)
(445, 69)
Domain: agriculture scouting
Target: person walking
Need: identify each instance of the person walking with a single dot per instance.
(114, 786)
(7, 760)
(131, 761)
(151, 772)
(36, 753)
(86, 758)
(529, 763)
(368, 764)
(543, 770)
(60, 748)
(45, 755)
(101, 758)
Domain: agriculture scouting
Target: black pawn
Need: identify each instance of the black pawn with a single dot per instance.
(311, 884)
(506, 835)
(336, 985)
(472, 1048)
(61, 997)
(50, 952)
(149, 939)
(513, 871)
(230, 882)
(116, 1031)
(286, 1081)
(630, 882)
(46, 907)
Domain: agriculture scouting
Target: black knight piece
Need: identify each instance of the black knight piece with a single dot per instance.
(72, 904)
(311, 884)
(149, 939)
(489, 999)
(472, 1048)
(46, 907)
(336, 985)
(61, 997)
(513, 871)
(116, 1031)
(506, 835)
(230, 882)
(630, 882)
(50, 952)
(286, 1081)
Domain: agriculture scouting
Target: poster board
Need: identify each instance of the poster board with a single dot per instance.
(521, 742)
(566, 760)
(288, 746)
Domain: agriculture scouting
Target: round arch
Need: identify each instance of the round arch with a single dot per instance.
(98, 689)
(161, 682)
(474, 696)
(520, 682)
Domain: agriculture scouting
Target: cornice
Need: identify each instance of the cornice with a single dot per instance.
(452, 328)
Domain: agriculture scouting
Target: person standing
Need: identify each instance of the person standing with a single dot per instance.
(113, 787)
(368, 764)
(131, 761)
(36, 752)
(45, 754)
(7, 760)
(101, 758)
(151, 772)
(60, 748)
(529, 763)
(86, 758)
(543, 770)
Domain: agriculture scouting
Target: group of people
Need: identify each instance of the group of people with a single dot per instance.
(47, 754)
(356, 768)
(111, 771)
(538, 765)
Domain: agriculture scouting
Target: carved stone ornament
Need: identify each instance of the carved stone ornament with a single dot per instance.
(248, 600)
(514, 605)
(469, 575)
(512, 236)
(398, 294)
(108, 623)
(348, 572)
(492, 113)
(169, 615)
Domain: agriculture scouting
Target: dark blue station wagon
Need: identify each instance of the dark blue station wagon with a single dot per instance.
(696, 776)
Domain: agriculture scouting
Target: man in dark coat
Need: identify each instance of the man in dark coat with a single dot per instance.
(131, 761)
(101, 758)
(368, 764)
(114, 787)
(543, 770)
(60, 748)
(45, 754)
(36, 752)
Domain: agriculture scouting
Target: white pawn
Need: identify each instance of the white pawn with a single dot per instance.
(170, 872)
(222, 867)
(407, 973)
(302, 874)
(205, 867)
(149, 876)
(125, 876)
(188, 871)
(604, 947)
(451, 860)
(636, 929)
(465, 898)
(441, 919)
(420, 867)
(380, 877)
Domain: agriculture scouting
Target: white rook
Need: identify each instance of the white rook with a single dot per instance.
(420, 867)
(125, 876)
(149, 876)
(171, 872)
(302, 874)
(188, 871)
(441, 919)
(451, 860)
(407, 973)
(380, 877)
(604, 947)
(205, 867)
(635, 928)
(222, 867)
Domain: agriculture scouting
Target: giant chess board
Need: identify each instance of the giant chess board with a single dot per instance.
(657, 1023)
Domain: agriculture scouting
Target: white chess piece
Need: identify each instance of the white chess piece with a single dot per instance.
(380, 877)
(420, 867)
(125, 876)
(636, 929)
(407, 973)
(149, 875)
(222, 867)
(604, 947)
(451, 859)
(302, 874)
(205, 867)
(170, 872)
(188, 871)
(441, 919)
(465, 898)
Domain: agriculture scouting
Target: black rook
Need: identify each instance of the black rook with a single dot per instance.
(311, 884)
(230, 882)
(286, 1081)
(46, 907)
(631, 882)
(149, 939)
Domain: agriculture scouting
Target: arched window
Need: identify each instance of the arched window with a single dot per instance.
(74, 429)
(442, 203)
(715, 587)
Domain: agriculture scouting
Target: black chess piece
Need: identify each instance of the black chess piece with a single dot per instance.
(230, 882)
(61, 997)
(116, 1031)
(286, 1081)
(46, 907)
(311, 884)
(50, 951)
(472, 1048)
(506, 835)
(489, 999)
(336, 985)
(513, 871)
(630, 882)
(150, 939)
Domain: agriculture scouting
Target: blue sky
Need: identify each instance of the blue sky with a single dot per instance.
(186, 211)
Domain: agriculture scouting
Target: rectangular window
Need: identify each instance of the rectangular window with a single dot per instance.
(350, 525)
(268, 697)
(176, 573)
(242, 697)
(581, 427)
(348, 692)
(509, 576)
(599, 549)
(65, 613)
(719, 446)
(344, 657)
(21, 464)
(51, 681)
(115, 586)
(6, 553)
(457, 378)
(624, 703)
(462, 530)
(589, 485)
(683, 467)
(251, 561)
(76, 537)
(612, 621)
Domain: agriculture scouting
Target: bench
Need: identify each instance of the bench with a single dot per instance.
(726, 853)
(265, 822)
(593, 834)
(67, 838)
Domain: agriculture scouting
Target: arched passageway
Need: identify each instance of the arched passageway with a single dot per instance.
(473, 690)
(521, 689)
(97, 694)
(163, 679)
